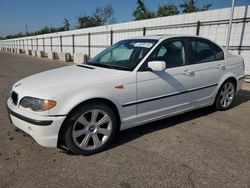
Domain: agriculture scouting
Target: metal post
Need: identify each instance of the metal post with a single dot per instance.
(36, 43)
(43, 45)
(61, 43)
(89, 45)
(73, 43)
(51, 46)
(31, 44)
(198, 24)
(230, 25)
(144, 31)
(26, 30)
(111, 37)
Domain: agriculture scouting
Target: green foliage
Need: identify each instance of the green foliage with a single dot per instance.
(87, 21)
(101, 16)
(104, 16)
(167, 10)
(13, 36)
(66, 24)
(141, 12)
(44, 30)
(189, 6)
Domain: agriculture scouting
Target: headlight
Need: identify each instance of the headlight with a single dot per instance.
(36, 104)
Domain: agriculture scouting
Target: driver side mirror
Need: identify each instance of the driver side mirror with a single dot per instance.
(157, 65)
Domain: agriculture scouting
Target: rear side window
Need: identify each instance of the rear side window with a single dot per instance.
(219, 54)
(201, 51)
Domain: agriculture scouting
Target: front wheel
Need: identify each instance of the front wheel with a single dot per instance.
(90, 129)
(225, 96)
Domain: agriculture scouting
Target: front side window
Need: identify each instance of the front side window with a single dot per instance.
(171, 52)
(202, 51)
(124, 55)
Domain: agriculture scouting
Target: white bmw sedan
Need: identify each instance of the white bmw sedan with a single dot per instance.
(133, 82)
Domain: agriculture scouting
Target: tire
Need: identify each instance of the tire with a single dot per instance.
(225, 96)
(90, 128)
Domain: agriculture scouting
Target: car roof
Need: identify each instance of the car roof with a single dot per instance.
(165, 36)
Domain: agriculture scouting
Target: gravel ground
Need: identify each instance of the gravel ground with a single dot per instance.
(203, 148)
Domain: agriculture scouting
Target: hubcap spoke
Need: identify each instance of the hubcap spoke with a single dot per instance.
(222, 99)
(96, 141)
(105, 119)
(78, 133)
(224, 103)
(85, 142)
(83, 120)
(94, 114)
(104, 131)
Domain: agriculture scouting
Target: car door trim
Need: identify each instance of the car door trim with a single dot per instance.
(169, 95)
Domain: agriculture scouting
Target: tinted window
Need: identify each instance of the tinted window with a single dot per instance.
(172, 52)
(202, 51)
(219, 55)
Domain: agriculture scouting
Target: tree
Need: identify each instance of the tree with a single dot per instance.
(167, 10)
(101, 16)
(87, 21)
(66, 24)
(190, 6)
(104, 15)
(141, 12)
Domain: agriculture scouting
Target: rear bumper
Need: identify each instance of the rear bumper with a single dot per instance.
(240, 81)
(43, 129)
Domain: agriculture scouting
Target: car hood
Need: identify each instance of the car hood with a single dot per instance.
(63, 79)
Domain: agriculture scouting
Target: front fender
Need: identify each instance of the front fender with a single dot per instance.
(70, 99)
(67, 101)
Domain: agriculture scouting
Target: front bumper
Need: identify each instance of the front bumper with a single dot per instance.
(43, 129)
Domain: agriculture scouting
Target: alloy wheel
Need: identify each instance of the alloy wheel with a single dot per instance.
(92, 129)
(227, 94)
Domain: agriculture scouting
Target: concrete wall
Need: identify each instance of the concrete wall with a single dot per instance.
(90, 41)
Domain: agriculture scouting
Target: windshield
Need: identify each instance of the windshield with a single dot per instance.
(124, 55)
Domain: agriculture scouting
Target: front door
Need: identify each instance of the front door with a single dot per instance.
(165, 92)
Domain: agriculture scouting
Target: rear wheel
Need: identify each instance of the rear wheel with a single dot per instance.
(90, 129)
(225, 96)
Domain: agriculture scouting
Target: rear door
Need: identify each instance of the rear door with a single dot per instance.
(208, 64)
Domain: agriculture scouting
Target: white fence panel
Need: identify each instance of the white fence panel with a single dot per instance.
(90, 41)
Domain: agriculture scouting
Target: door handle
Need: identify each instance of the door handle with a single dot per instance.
(188, 73)
(221, 67)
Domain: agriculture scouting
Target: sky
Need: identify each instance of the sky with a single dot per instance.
(14, 14)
